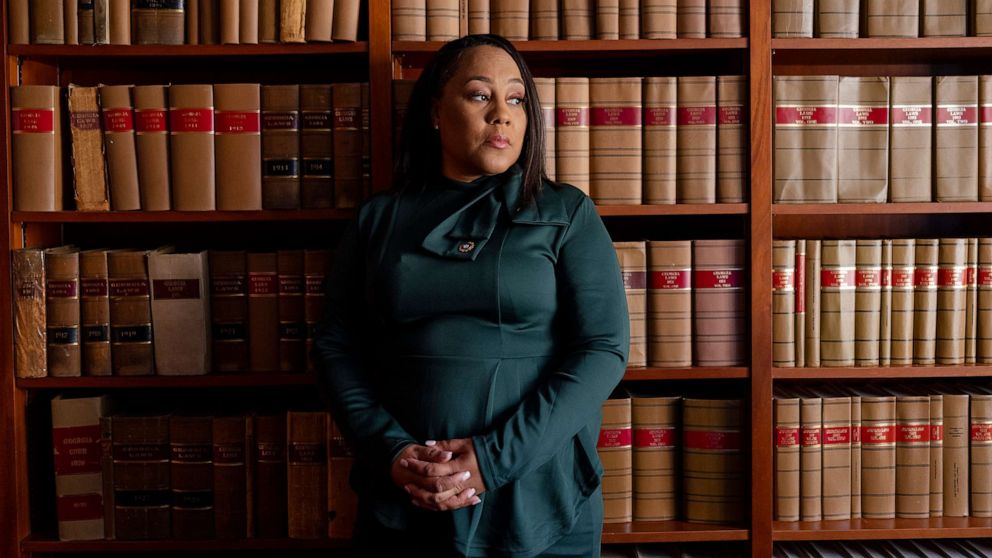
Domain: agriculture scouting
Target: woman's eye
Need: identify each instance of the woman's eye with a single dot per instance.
(517, 101)
(479, 97)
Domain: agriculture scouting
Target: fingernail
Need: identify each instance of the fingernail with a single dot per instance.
(408, 490)
(446, 455)
(470, 493)
(466, 475)
(430, 443)
(476, 501)
(404, 463)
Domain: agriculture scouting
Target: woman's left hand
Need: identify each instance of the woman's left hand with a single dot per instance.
(463, 459)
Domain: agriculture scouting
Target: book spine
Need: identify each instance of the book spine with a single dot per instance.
(47, 22)
(633, 267)
(292, 324)
(812, 328)
(270, 476)
(151, 140)
(348, 144)
(280, 146)
(878, 457)
(711, 461)
(36, 147)
(268, 21)
(691, 19)
(910, 139)
(660, 158)
(892, 18)
(630, 19)
(248, 22)
(885, 314)
(607, 19)
(805, 139)
(317, 146)
(984, 313)
(346, 15)
(971, 311)
(913, 456)
(130, 314)
(229, 311)
(229, 477)
(811, 459)
(191, 135)
(141, 478)
(94, 313)
(118, 134)
(903, 301)
(944, 18)
(62, 311)
(956, 139)
(799, 306)
(70, 21)
(936, 481)
(292, 20)
(546, 93)
(615, 451)
(307, 474)
(88, 170)
(985, 138)
(718, 295)
(982, 20)
(30, 339)
(366, 142)
(409, 20)
(342, 502)
(952, 300)
(263, 312)
(981, 455)
(696, 153)
(193, 22)
(655, 422)
(787, 475)
(792, 18)
(119, 18)
(209, 24)
(107, 467)
(77, 466)
(19, 22)
(838, 287)
(572, 132)
(615, 140)
(783, 303)
(509, 18)
(659, 19)
(726, 18)
(669, 288)
(837, 19)
(191, 477)
(315, 266)
(856, 457)
(731, 139)
(320, 18)
(867, 302)
(925, 278)
(180, 312)
(479, 13)
(955, 456)
(158, 22)
(237, 144)
(836, 444)
(863, 140)
(577, 20)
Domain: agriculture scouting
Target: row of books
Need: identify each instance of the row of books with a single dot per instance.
(879, 139)
(929, 548)
(881, 18)
(175, 22)
(881, 452)
(686, 550)
(658, 450)
(549, 20)
(186, 475)
(134, 312)
(240, 146)
(899, 302)
(686, 301)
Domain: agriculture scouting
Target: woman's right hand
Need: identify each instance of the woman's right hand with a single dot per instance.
(437, 493)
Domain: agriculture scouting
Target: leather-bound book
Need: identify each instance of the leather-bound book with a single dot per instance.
(193, 22)
(94, 312)
(180, 312)
(158, 22)
(191, 475)
(783, 303)
(812, 325)
(925, 279)
(837, 19)
(151, 140)
(317, 146)
(719, 306)
(792, 18)
(615, 140)
(912, 456)
(191, 129)
(346, 14)
(30, 340)
(572, 131)
(660, 161)
(910, 138)
(836, 440)
(669, 325)
(315, 266)
(479, 14)
(805, 139)
(983, 350)
(292, 21)
(712, 463)
(209, 22)
(659, 19)
(543, 20)
(615, 448)
(936, 481)
(366, 139)
(971, 313)
(238, 145)
(878, 456)
(130, 313)
(607, 19)
(78, 471)
(856, 459)
(981, 453)
(892, 18)
(654, 419)
(546, 94)
(509, 18)
(981, 20)
(120, 22)
(952, 300)
(88, 168)
(320, 20)
(903, 298)
(731, 140)
(263, 312)
(342, 502)
(248, 22)
(107, 466)
(230, 477)
(348, 144)
(956, 139)
(36, 147)
(944, 18)
(142, 496)
(270, 475)
(811, 458)
(787, 474)
(863, 140)
(633, 267)
(306, 472)
(726, 18)
(577, 19)
(691, 19)
(885, 314)
(985, 138)
(956, 477)
(409, 20)
(268, 21)
(229, 311)
(229, 12)
(799, 322)
(62, 310)
(70, 21)
(19, 22)
(47, 25)
(630, 19)
(281, 146)
(292, 324)
(118, 136)
(696, 140)
(837, 302)
(867, 302)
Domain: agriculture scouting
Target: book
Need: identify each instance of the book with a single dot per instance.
(319, 24)
(180, 312)
(616, 453)
(209, 15)
(812, 325)
(925, 302)
(270, 475)
(805, 137)
(230, 477)
(630, 19)
(659, 19)
(70, 21)
(119, 18)
(691, 19)
(191, 143)
(792, 18)
(956, 471)
(151, 141)
(912, 456)
(107, 466)
(402, 89)
(856, 447)
(669, 308)
(315, 267)
(546, 94)
(346, 16)
(263, 312)
(800, 303)
(88, 169)
(837, 19)
(577, 21)
(78, 471)
(718, 298)
(952, 301)
(572, 132)
(280, 146)
(892, 18)
(316, 147)
(62, 312)
(654, 419)
(885, 314)
(191, 476)
(607, 20)
(47, 25)
(30, 339)
(366, 142)
(130, 313)
(237, 144)
(910, 138)
(944, 18)
(867, 302)
(838, 302)
(19, 22)
(903, 299)
(878, 456)
(633, 267)
(193, 21)
(980, 408)
(36, 147)
(158, 22)
(118, 137)
(615, 141)
(985, 137)
(836, 457)
(863, 140)
(292, 20)
(342, 502)
(479, 10)
(811, 458)
(348, 144)
(268, 21)
(786, 456)
(409, 20)
(509, 18)
(783, 303)
(659, 141)
(695, 143)
(731, 141)
(142, 496)
(983, 350)
(248, 12)
(956, 138)
(306, 472)
(94, 312)
(971, 311)
(228, 311)
(936, 481)
(291, 310)
(725, 18)
(712, 467)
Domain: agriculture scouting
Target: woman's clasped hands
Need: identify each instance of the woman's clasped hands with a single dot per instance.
(439, 475)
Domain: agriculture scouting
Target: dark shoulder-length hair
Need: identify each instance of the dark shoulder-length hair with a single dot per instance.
(419, 156)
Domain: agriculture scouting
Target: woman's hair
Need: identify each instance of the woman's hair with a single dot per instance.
(419, 157)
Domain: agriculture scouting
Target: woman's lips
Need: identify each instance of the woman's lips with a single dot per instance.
(498, 141)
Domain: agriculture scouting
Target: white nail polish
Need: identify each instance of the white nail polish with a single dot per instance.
(466, 475)
(470, 493)
(430, 443)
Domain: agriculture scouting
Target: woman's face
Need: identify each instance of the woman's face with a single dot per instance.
(481, 115)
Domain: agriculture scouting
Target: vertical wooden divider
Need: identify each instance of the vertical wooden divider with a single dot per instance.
(381, 94)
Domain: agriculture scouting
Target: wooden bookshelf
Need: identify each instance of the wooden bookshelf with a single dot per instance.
(638, 46)
(180, 216)
(269, 379)
(934, 208)
(697, 373)
(38, 544)
(882, 373)
(669, 531)
(186, 51)
(876, 529)
(673, 209)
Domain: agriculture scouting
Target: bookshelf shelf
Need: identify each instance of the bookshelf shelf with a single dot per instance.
(881, 208)
(179, 216)
(618, 46)
(673, 209)
(917, 44)
(38, 544)
(876, 529)
(270, 379)
(669, 531)
(700, 373)
(882, 372)
(185, 51)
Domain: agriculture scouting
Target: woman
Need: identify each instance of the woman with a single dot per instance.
(476, 321)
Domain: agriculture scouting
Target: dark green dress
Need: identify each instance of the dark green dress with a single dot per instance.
(453, 314)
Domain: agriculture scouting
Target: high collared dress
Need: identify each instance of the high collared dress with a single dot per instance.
(453, 311)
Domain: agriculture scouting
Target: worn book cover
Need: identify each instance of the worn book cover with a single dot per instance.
(925, 302)
(19, 22)
(306, 472)
(88, 168)
(30, 339)
(669, 287)
(615, 448)
(572, 131)
(191, 133)
(838, 285)
(62, 311)
(293, 18)
(180, 312)
(805, 137)
(630, 19)
(237, 143)
(837, 19)
(130, 313)
(633, 267)
(209, 26)
(191, 476)
(280, 146)
(719, 302)
(47, 26)
(615, 140)
(863, 140)
(151, 140)
(659, 140)
(910, 138)
(36, 147)
(78, 471)
(158, 22)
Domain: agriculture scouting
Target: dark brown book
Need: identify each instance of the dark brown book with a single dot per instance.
(193, 22)
(151, 139)
(910, 138)
(366, 130)
(281, 146)
(660, 156)
(28, 271)
(19, 22)
(863, 140)
(107, 467)
(315, 266)
(191, 129)
(268, 21)
(292, 319)
(47, 25)
(348, 144)
(342, 502)
(229, 14)
(36, 147)
(270, 476)
(158, 22)
(118, 137)
(317, 146)
(191, 475)
(238, 144)
(263, 312)
(658, 19)
(142, 497)
(230, 477)
(892, 18)
(209, 22)
(956, 139)
(925, 302)
(229, 311)
(719, 305)
(94, 312)
(89, 172)
(248, 12)
(696, 139)
(731, 140)
(792, 18)
(805, 138)
(306, 472)
(130, 313)
(62, 310)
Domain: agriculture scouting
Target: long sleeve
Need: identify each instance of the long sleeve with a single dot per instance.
(593, 309)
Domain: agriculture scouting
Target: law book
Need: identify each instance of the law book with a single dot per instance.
(315, 267)
(191, 135)
(268, 21)
(630, 19)
(409, 20)
(660, 95)
(863, 139)
(269, 484)
(62, 312)
(837, 19)
(118, 136)
(944, 18)
(348, 144)
(838, 302)
(718, 297)
(316, 147)
(47, 26)
(342, 502)
(983, 349)
(291, 309)
(292, 20)
(696, 154)
(402, 89)
(107, 476)
(280, 146)
(158, 22)
(654, 419)
(546, 95)
(836, 456)
(856, 459)
(130, 313)
(952, 301)
(731, 141)
(956, 139)
(209, 16)
(903, 300)
(805, 138)
(346, 15)
(799, 306)
(725, 18)
(36, 147)
(141, 479)
(971, 311)
(151, 141)
(910, 138)
(981, 18)
(878, 456)
(981, 454)
(230, 477)
(77, 467)
(787, 460)
(19, 20)
(577, 19)
(812, 325)
(811, 458)
(956, 471)
(228, 311)
(985, 138)
(509, 18)
(263, 311)
(867, 302)
(88, 169)
(691, 19)
(925, 279)
(936, 481)
(607, 19)
(892, 18)
(885, 314)
(669, 316)
(633, 267)
(792, 18)
(119, 22)
(912, 456)
(479, 14)
(366, 141)
(659, 19)
(70, 21)
(306, 472)
(191, 476)
(572, 131)
(783, 303)
(615, 140)
(320, 20)
(615, 450)
(180, 312)
(94, 312)
(30, 339)
(237, 144)
(193, 21)
(712, 466)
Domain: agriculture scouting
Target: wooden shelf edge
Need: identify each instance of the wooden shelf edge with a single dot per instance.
(179, 216)
(672, 209)
(877, 529)
(881, 208)
(882, 372)
(670, 531)
(274, 49)
(700, 373)
(37, 544)
(272, 379)
(919, 43)
(561, 46)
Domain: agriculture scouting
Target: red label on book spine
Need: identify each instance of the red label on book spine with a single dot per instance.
(925, 278)
(174, 289)
(843, 278)
(62, 289)
(614, 438)
(783, 280)
(680, 280)
(128, 287)
(654, 437)
(237, 122)
(886, 277)
(811, 436)
(912, 433)
(634, 279)
(800, 304)
(731, 115)
(719, 279)
(262, 284)
(77, 449)
(878, 434)
(696, 116)
(616, 116)
(805, 116)
(186, 120)
(952, 277)
(936, 432)
(150, 121)
(786, 437)
(911, 116)
(711, 440)
(855, 434)
(949, 115)
(862, 116)
(971, 276)
(981, 433)
(836, 435)
(868, 278)
(118, 120)
(659, 116)
(903, 278)
(985, 277)
(79, 507)
(94, 287)
(573, 116)
(32, 121)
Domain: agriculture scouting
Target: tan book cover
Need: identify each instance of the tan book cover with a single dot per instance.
(726, 18)
(509, 18)
(956, 139)
(660, 106)
(956, 474)
(180, 312)
(293, 19)
(409, 20)
(94, 312)
(30, 340)
(546, 95)
(191, 142)
(229, 311)
(944, 18)
(787, 474)
(47, 25)
(695, 144)
(118, 136)
(811, 458)
(863, 140)
(837, 19)
(315, 267)
(981, 454)
(838, 317)
(892, 18)
(130, 313)
(799, 306)
(238, 145)
(36, 147)
(805, 137)
(712, 466)
(615, 140)
(836, 457)
(910, 138)
(878, 457)
(912, 456)
(158, 22)
(867, 302)
(346, 15)
(812, 327)
(88, 168)
(543, 19)
(607, 19)
(19, 22)
(120, 22)
(78, 472)
(193, 22)
(306, 470)
(320, 19)
(151, 140)
(292, 316)
(936, 455)
(263, 312)
(62, 311)
(982, 18)
(856, 456)
(615, 448)
(719, 305)
(268, 21)
(572, 132)
(633, 267)
(952, 300)
(783, 303)
(655, 420)
(659, 19)
(885, 314)
(983, 350)
(348, 145)
(669, 287)
(280, 146)
(577, 19)
(971, 311)
(985, 138)
(317, 146)
(691, 19)
(70, 21)
(903, 299)
(479, 15)
(630, 19)
(731, 141)
(792, 18)
(191, 476)
(925, 302)
(209, 22)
